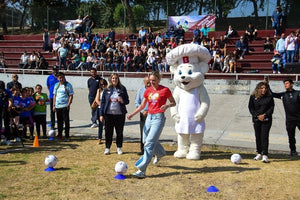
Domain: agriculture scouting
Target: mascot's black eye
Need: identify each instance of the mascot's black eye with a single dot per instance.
(190, 72)
(180, 72)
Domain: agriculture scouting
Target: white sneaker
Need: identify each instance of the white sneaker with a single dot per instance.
(257, 157)
(119, 150)
(107, 151)
(279, 72)
(265, 159)
(274, 72)
(94, 125)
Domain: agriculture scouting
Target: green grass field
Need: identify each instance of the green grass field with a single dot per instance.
(84, 172)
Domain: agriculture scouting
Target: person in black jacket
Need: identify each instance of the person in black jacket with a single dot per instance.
(113, 111)
(291, 103)
(261, 107)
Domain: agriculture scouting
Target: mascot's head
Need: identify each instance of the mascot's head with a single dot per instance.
(188, 64)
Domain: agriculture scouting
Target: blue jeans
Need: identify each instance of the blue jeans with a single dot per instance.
(93, 112)
(283, 54)
(274, 66)
(62, 61)
(290, 56)
(151, 133)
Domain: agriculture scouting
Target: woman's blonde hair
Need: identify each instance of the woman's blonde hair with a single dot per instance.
(119, 85)
(156, 74)
(257, 90)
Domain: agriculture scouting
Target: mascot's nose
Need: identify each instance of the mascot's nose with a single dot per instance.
(182, 77)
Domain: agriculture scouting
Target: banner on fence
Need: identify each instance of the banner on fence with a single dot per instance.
(189, 23)
(67, 25)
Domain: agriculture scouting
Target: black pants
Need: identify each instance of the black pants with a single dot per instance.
(40, 120)
(111, 122)
(52, 114)
(4, 113)
(142, 123)
(262, 130)
(291, 131)
(62, 115)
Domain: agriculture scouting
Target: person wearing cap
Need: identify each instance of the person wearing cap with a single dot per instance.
(276, 62)
(142, 36)
(85, 47)
(14, 81)
(291, 103)
(51, 81)
(152, 49)
(23, 64)
(276, 19)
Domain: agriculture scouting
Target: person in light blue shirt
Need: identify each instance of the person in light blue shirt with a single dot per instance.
(280, 47)
(62, 54)
(144, 112)
(62, 98)
(142, 36)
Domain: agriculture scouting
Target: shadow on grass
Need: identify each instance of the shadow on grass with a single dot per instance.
(189, 170)
(10, 163)
(44, 145)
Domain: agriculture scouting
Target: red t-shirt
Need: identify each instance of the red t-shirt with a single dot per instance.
(157, 98)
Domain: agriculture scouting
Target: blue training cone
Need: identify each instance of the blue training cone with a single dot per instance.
(51, 138)
(212, 189)
(49, 169)
(120, 177)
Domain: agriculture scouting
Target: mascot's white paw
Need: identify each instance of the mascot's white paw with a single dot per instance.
(193, 155)
(180, 154)
(199, 118)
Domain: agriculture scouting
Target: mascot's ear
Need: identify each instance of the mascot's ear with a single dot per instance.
(203, 67)
(173, 68)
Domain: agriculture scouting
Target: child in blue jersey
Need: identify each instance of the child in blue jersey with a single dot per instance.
(25, 115)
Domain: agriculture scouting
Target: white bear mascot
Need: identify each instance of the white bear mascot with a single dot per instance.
(188, 64)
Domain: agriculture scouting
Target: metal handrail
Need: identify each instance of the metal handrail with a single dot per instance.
(236, 76)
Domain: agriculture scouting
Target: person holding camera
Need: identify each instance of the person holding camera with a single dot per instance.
(113, 111)
(261, 107)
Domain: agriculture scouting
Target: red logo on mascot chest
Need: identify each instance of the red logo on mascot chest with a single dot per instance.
(185, 59)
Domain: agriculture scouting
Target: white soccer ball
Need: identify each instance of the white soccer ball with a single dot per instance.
(51, 133)
(121, 167)
(236, 158)
(50, 161)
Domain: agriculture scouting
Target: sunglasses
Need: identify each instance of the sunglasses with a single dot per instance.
(15, 77)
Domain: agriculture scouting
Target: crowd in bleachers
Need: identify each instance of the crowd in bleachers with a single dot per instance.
(146, 51)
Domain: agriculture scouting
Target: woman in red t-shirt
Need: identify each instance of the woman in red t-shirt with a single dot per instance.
(156, 96)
